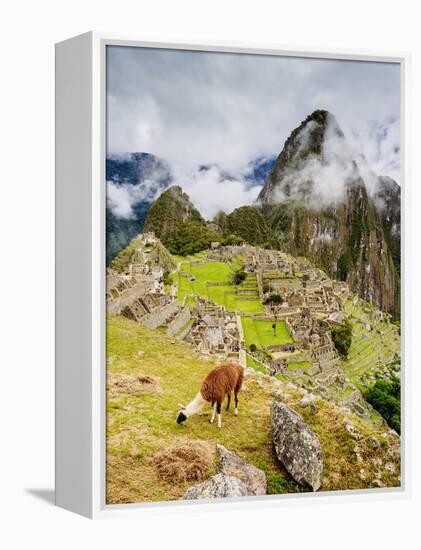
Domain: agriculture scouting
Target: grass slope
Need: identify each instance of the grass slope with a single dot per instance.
(138, 426)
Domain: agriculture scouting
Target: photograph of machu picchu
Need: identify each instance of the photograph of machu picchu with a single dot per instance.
(253, 264)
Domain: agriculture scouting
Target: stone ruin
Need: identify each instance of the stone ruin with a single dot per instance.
(214, 331)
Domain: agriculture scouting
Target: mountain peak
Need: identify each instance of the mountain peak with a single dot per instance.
(170, 208)
(315, 146)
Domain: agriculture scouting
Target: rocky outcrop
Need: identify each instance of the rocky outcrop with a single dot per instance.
(231, 465)
(234, 478)
(297, 446)
(218, 486)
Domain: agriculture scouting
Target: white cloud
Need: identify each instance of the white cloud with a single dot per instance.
(211, 191)
(121, 198)
(201, 108)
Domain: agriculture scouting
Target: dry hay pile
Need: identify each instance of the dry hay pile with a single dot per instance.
(119, 384)
(188, 461)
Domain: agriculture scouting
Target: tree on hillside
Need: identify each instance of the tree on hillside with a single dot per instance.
(239, 276)
(274, 298)
(190, 237)
(342, 338)
(385, 397)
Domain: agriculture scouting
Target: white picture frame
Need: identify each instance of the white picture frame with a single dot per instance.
(80, 274)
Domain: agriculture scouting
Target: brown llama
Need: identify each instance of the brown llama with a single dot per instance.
(220, 382)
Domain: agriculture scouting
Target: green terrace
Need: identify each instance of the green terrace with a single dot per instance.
(369, 348)
(213, 280)
(261, 333)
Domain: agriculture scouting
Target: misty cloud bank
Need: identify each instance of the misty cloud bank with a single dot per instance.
(322, 180)
(210, 190)
(226, 110)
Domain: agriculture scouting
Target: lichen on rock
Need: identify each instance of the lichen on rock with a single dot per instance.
(296, 445)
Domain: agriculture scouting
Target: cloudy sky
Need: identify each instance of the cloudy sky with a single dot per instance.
(196, 108)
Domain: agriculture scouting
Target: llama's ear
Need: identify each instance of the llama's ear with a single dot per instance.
(181, 406)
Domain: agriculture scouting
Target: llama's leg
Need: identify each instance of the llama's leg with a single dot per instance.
(229, 401)
(212, 419)
(218, 410)
(236, 403)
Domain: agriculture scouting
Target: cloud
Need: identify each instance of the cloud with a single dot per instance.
(200, 108)
(320, 180)
(211, 190)
(122, 198)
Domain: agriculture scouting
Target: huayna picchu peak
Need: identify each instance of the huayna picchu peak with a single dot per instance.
(319, 206)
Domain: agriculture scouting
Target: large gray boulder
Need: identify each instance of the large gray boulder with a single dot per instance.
(234, 478)
(296, 446)
(218, 486)
(230, 464)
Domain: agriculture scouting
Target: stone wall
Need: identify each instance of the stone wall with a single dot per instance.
(159, 317)
(178, 323)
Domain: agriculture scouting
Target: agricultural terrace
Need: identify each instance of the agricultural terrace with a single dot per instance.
(261, 333)
(378, 344)
(198, 279)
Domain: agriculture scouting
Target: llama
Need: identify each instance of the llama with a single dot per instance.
(220, 382)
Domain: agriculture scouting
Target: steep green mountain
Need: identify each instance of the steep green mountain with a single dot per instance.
(316, 201)
(248, 223)
(172, 207)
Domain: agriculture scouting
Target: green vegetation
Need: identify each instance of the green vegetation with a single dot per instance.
(345, 265)
(342, 338)
(157, 254)
(170, 208)
(239, 277)
(196, 279)
(274, 299)
(252, 363)
(374, 342)
(385, 397)
(261, 334)
(294, 365)
(248, 223)
(189, 237)
(232, 240)
(139, 425)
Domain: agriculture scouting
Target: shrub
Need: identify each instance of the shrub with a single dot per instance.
(345, 265)
(190, 237)
(239, 276)
(168, 281)
(342, 338)
(274, 299)
(266, 288)
(232, 240)
(385, 397)
(253, 348)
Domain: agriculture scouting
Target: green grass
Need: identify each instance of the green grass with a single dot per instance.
(217, 272)
(138, 426)
(252, 363)
(368, 349)
(294, 365)
(261, 333)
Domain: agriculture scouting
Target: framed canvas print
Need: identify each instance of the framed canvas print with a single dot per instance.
(229, 316)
